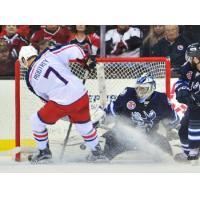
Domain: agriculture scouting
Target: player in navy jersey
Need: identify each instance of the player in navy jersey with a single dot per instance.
(188, 92)
(144, 108)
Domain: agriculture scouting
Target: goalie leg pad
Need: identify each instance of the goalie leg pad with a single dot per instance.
(40, 132)
(113, 146)
(162, 142)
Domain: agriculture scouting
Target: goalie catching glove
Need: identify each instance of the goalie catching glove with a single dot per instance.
(88, 63)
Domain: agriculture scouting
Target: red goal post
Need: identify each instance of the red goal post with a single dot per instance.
(109, 78)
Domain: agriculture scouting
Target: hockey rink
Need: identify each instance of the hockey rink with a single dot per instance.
(74, 162)
(74, 158)
(152, 159)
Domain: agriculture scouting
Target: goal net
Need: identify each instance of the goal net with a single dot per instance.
(104, 84)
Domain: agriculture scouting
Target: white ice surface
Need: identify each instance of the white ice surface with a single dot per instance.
(74, 161)
(74, 158)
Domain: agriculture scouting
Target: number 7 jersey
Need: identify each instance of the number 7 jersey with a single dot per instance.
(50, 78)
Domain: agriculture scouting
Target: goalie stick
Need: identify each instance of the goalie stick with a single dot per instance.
(70, 125)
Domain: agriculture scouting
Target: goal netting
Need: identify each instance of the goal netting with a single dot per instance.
(104, 84)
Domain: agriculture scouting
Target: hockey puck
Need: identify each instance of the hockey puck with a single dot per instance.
(83, 146)
(30, 157)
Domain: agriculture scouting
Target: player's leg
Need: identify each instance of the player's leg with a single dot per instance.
(161, 142)
(81, 117)
(40, 134)
(183, 136)
(194, 134)
(48, 114)
(113, 146)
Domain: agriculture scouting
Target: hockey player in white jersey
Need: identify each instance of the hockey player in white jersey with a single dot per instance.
(49, 77)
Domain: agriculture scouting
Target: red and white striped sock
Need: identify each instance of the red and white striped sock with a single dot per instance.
(41, 138)
(91, 139)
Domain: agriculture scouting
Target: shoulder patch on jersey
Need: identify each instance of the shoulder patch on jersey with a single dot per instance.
(180, 47)
(131, 105)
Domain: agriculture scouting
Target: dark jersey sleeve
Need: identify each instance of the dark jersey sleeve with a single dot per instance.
(134, 42)
(118, 107)
(168, 112)
(182, 86)
(109, 46)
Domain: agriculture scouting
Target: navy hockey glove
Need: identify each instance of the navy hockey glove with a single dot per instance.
(183, 95)
(88, 63)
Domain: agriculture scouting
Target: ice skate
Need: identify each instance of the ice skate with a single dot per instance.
(44, 156)
(184, 158)
(97, 155)
(193, 156)
(181, 157)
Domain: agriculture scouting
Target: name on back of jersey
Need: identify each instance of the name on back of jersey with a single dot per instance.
(40, 68)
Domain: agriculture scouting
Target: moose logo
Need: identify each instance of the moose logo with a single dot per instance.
(140, 120)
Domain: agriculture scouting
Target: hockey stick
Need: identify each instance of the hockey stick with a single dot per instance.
(70, 125)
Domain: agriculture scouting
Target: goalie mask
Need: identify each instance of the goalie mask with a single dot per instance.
(26, 53)
(145, 86)
(192, 51)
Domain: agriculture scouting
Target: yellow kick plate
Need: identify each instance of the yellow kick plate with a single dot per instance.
(10, 144)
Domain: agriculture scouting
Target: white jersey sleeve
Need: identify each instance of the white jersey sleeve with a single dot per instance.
(68, 52)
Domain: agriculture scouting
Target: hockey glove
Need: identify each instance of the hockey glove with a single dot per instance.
(99, 117)
(184, 96)
(88, 63)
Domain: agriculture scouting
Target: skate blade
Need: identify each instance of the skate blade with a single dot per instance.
(39, 162)
(188, 162)
(103, 160)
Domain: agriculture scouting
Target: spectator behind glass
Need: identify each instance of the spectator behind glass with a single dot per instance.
(23, 30)
(173, 45)
(90, 43)
(156, 32)
(54, 33)
(192, 32)
(43, 44)
(14, 40)
(123, 41)
(6, 60)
